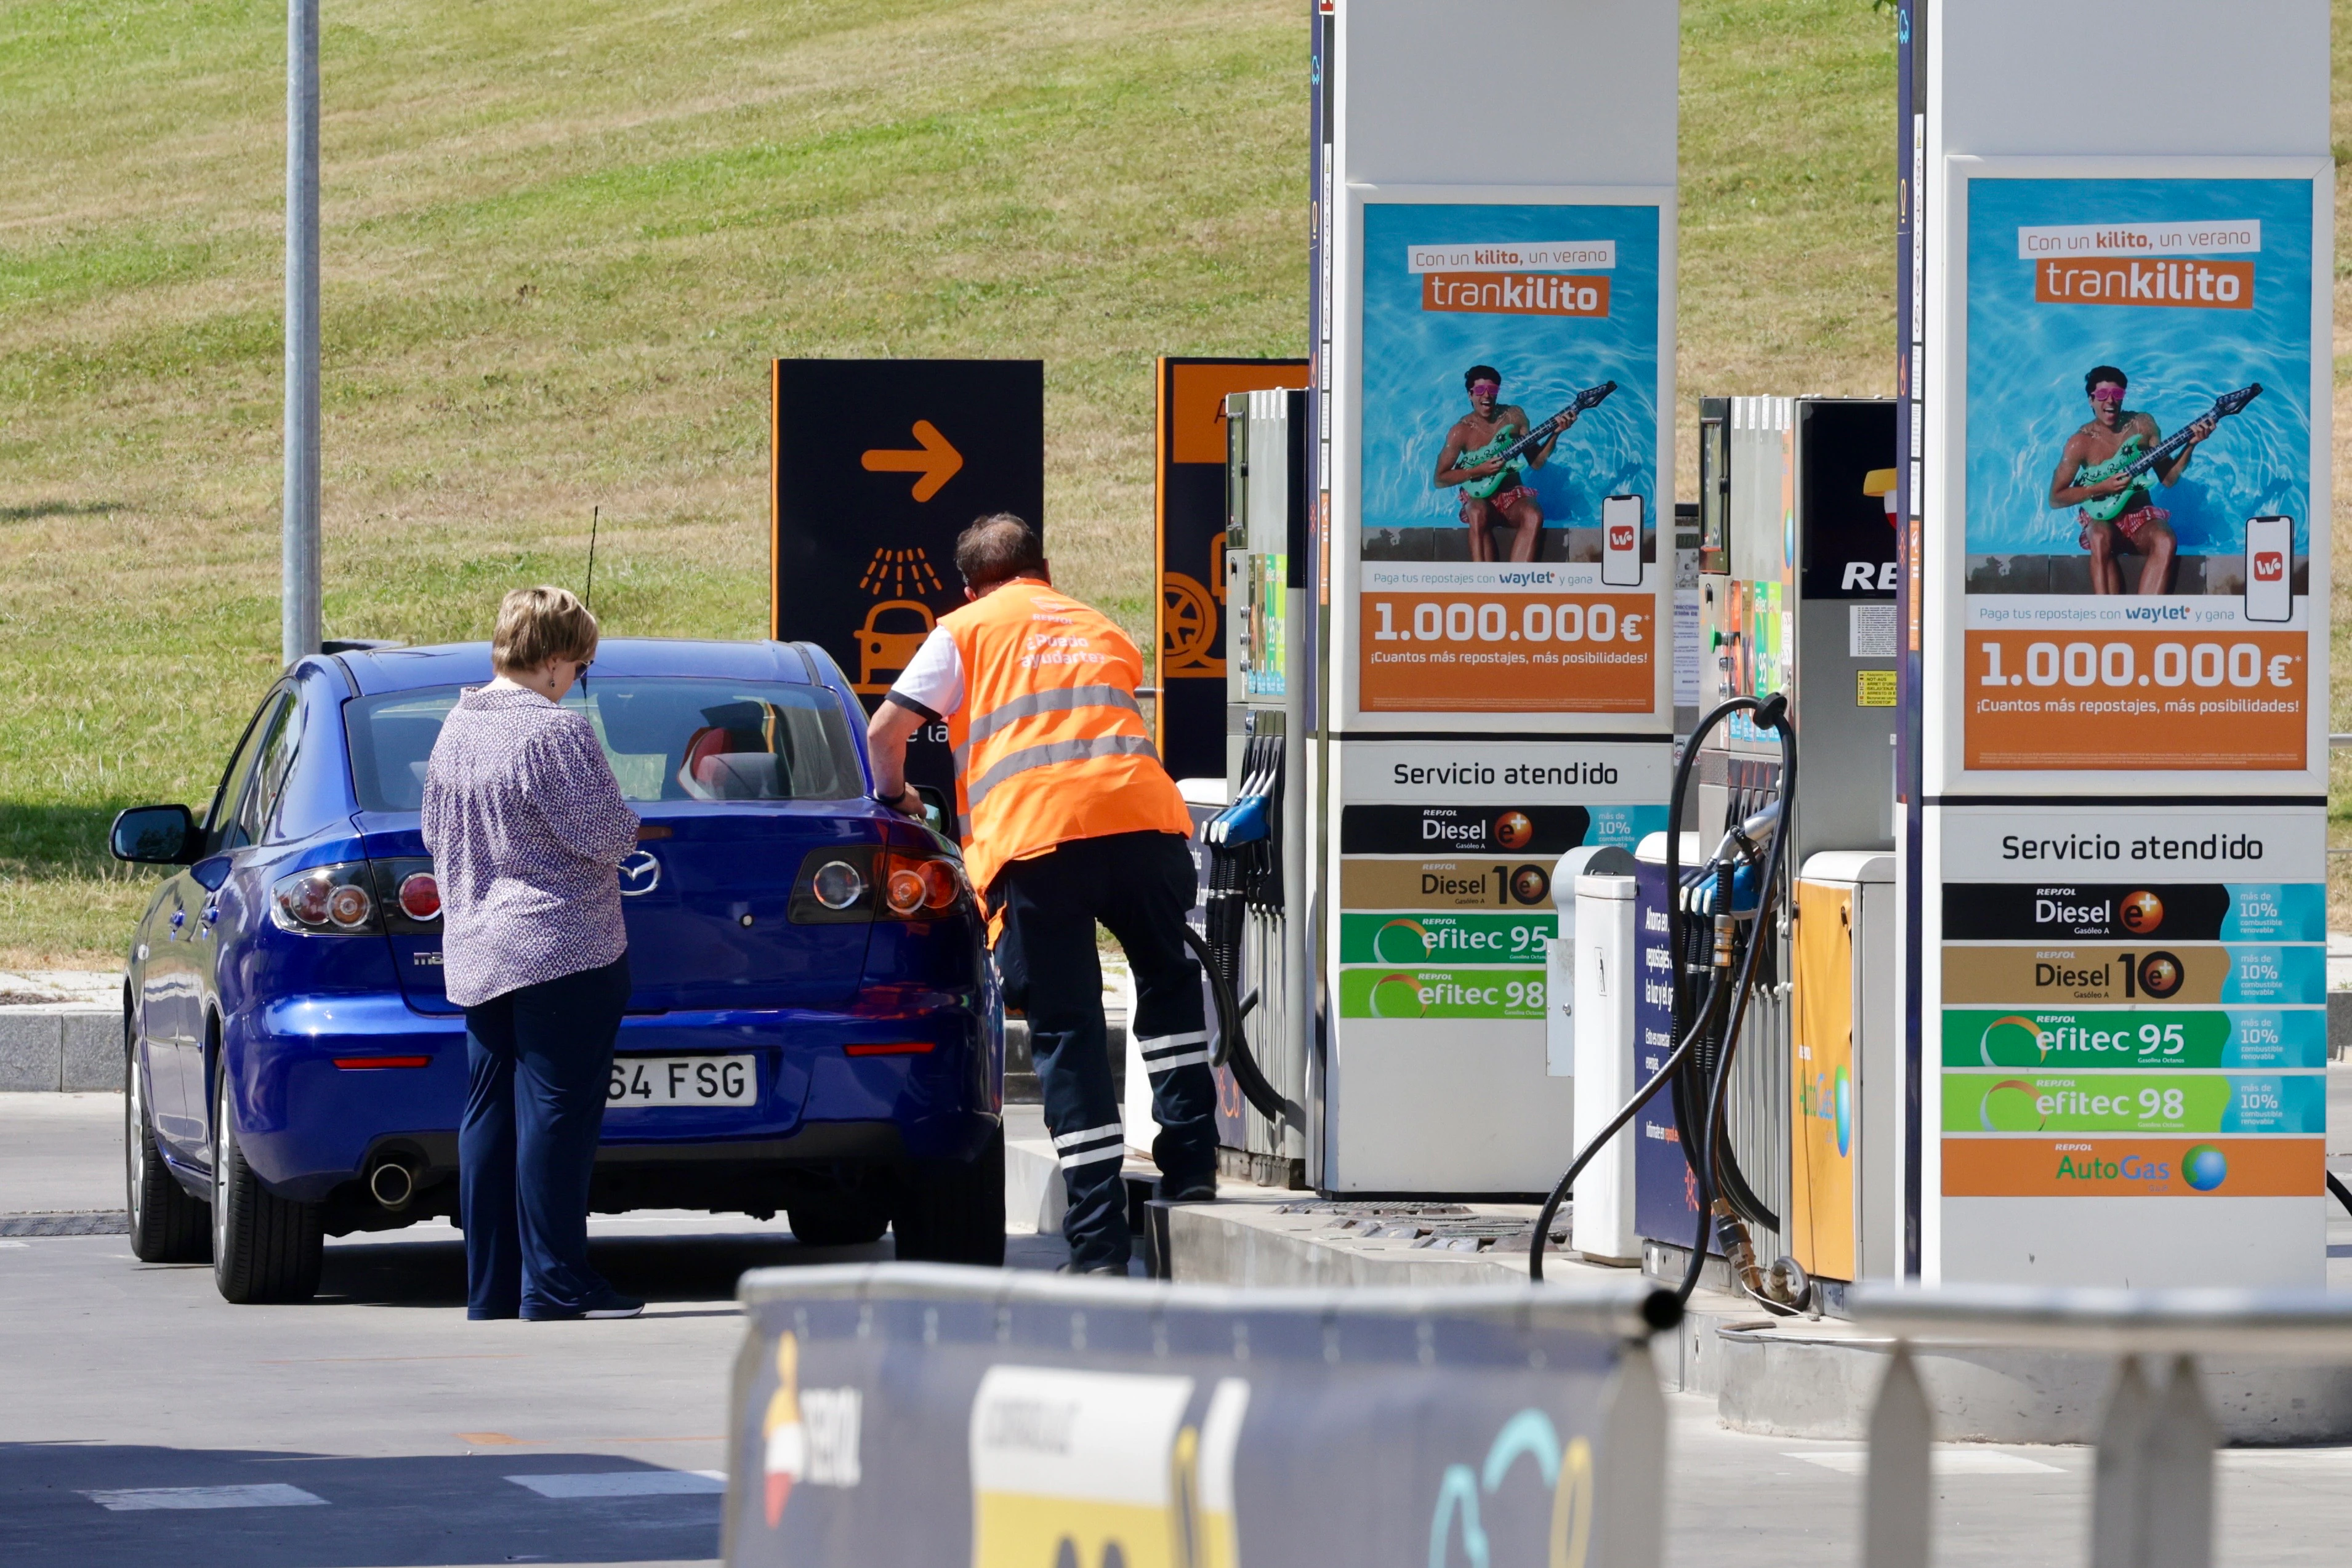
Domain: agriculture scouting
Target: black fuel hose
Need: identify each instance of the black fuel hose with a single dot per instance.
(1267, 1099)
(1773, 713)
(2343, 1194)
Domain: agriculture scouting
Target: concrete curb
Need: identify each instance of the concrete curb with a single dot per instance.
(60, 1047)
(1799, 1385)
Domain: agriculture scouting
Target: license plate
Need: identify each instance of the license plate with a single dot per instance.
(683, 1081)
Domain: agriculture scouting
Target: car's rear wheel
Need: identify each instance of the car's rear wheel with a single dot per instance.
(167, 1224)
(849, 1218)
(952, 1211)
(265, 1247)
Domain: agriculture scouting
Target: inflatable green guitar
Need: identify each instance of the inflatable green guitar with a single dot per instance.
(2129, 462)
(1507, 448)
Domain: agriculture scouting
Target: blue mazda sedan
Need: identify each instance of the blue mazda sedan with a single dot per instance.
(814, 1027)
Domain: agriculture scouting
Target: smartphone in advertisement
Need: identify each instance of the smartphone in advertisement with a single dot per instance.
(1621, 541)
(2270, 568)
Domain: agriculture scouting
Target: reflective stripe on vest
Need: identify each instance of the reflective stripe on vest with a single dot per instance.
(1049, 744)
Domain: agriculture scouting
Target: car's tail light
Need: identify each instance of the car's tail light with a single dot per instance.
(860, 883)
(327, 901)
(408, 896)
(920, 887)
(420, 895)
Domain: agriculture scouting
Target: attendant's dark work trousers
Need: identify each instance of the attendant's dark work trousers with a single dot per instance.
(1139, 886)
(537, 1063)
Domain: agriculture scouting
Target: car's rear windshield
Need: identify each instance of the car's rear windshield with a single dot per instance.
(666, 740)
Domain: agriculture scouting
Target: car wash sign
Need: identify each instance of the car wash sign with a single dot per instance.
(876, 466)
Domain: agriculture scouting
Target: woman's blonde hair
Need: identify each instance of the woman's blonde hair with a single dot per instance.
(537, 625)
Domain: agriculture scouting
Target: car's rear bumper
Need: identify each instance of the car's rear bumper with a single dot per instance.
(310, 1118)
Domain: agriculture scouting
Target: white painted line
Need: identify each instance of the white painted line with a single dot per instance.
(2339, 1459)
(1948, 1461)
(274, 1494)
(628, 1483)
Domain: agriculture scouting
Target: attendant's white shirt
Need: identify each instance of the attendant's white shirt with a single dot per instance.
(932, 682)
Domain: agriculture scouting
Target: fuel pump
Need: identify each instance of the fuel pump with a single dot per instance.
(1768, 1123)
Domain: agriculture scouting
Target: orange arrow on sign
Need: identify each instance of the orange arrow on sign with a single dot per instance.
(935, 460)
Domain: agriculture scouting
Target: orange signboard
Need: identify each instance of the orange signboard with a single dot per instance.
(2134, 1167)
(2176, 699)
(1460, 652)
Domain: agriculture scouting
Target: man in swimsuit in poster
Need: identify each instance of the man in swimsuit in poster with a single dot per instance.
(2141, 526)
(1514, 503)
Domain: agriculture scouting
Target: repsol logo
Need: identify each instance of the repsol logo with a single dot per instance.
(1867, 577)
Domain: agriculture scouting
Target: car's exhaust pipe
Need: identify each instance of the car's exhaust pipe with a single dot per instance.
(392, 1184)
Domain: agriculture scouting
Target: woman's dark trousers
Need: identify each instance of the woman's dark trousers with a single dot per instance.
(537, 1063)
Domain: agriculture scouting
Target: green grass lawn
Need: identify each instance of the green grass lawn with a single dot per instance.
(561, 243)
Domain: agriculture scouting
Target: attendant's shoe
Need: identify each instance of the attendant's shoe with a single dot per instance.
(609, 1304)
(1075, 1266)
(1201, 1189)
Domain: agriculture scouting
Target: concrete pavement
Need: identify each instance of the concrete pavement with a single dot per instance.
(409, 1425)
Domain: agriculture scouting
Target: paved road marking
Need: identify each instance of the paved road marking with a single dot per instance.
(1948, 1462)
(626, 1483)
(274, 1494)
(2287, 1458)
(490, 1439)
(337, 1360)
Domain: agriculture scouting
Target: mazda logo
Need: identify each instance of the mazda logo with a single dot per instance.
(641, 872)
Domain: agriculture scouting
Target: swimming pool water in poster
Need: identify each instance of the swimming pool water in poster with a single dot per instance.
(2137, 473)
(1508, 498)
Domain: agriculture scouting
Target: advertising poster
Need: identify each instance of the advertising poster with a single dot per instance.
(1508, 498)
(2138, 474)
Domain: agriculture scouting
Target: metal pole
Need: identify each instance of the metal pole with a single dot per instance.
(298, 613)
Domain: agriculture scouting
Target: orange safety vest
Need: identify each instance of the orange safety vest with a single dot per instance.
(1049, 742)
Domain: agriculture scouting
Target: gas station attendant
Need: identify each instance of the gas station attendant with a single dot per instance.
(1067, 818)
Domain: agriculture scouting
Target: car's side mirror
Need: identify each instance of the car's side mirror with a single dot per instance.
(936, 809)
(155, 835)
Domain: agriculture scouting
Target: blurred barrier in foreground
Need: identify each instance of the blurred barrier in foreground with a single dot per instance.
(2152, 1493)
(923, 1414)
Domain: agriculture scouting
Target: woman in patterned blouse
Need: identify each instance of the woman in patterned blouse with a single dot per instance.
(527, 829)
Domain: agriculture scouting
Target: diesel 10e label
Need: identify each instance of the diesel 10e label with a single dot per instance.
(1423, 938)
(1442, 993)
(2185, 973)
(1550, 830)
(2145, 1038)
(2201, 912)
(2135, 1102)
(1463, 883)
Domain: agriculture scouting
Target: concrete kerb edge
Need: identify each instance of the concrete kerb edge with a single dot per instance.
(63, 1047)
(1795, 1385)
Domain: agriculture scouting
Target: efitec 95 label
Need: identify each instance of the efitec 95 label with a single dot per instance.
(2141, 1037)
(1424, 936)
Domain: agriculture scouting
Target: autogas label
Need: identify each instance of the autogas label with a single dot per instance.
(2133, 1167)
(2135, 1102)
(2243, 1037)
(1453, 883)
(2181, 973)
(2201, 911)
(1419, 937)
(1511, 829)
(1424, 993)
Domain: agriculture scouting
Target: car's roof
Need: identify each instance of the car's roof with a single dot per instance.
(468, 664)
